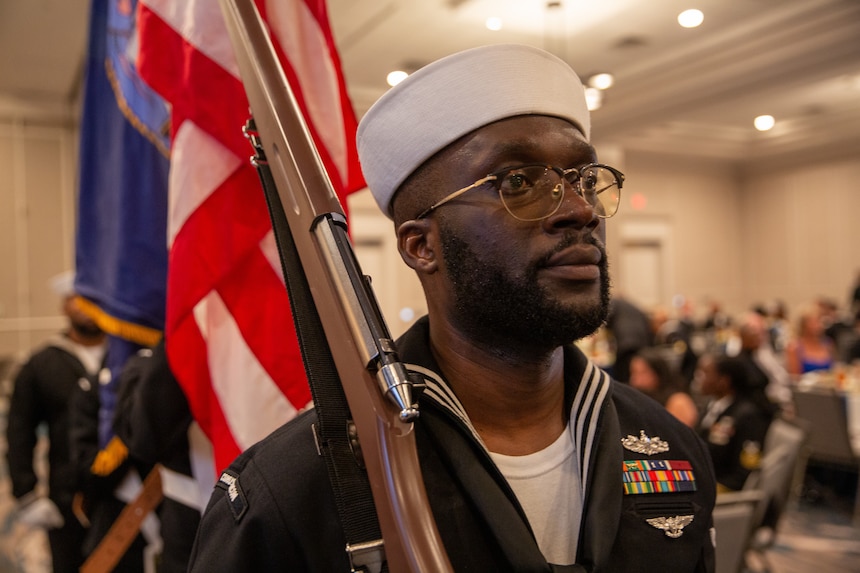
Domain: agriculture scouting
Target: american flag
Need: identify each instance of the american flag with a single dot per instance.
(229, 331)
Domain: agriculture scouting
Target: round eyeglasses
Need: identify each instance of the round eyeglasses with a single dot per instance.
(535, 192)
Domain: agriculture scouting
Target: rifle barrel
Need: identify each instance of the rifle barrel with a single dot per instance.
(353, 324)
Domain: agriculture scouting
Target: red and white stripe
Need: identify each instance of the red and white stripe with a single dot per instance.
(229, 331)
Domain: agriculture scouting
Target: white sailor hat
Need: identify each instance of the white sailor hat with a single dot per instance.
(456, 95)
(63, 284)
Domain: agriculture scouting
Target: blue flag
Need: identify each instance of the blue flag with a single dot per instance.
(121, 243)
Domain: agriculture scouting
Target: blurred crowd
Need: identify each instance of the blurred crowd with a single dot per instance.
(728, 376)
(821, 336)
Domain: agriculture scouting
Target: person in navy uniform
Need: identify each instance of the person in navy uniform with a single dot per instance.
(42, 392)
(153, 420)
(533, 458)
(736, 419)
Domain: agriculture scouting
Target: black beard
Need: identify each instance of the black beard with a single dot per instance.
(516, 312)
(86, 329)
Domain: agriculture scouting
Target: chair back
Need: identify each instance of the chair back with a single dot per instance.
(781, 467)
(733, 514)
(825, 411)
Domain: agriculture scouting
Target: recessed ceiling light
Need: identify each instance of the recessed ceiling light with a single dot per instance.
(764, 122)
(494, 23)
(601, 81)
(395, 77)
(691, 18)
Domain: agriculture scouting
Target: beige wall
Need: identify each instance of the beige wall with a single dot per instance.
(747, 236)
(698, 202)
(37, 216)
(801, 230)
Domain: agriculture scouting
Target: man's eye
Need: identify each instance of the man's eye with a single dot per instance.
(517, 182)
(588, 183)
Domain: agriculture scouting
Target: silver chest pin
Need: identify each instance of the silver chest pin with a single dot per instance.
(645, 445)
(672, 526)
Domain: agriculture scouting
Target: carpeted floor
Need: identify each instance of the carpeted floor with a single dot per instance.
(818, 533)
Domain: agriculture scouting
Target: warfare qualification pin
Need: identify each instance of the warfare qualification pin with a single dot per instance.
(673, 526)
(645, 445)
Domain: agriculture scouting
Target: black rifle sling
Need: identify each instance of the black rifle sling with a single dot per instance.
(349, 480)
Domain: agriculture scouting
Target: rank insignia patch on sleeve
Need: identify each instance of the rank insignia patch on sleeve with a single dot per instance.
(229, 482)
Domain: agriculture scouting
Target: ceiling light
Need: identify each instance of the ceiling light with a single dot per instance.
(396, 77)
(494, 23)
(601, 81)
(764, 122)
(406, 314)
(690, 18)
(593, 98)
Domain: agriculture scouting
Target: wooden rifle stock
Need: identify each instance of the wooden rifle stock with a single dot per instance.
(375, 383)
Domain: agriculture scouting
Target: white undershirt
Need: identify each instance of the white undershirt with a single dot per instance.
(90, 356)
(547, 485)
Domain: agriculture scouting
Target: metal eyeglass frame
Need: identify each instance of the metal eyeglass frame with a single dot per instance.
(619, 177)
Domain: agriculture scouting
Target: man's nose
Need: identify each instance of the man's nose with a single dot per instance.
(574, 210)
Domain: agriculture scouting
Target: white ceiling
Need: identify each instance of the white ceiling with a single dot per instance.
(691, 91)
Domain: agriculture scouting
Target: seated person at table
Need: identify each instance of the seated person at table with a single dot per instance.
(853, 353)
(736, 419)
(652, 375)
(810, 350)
(766, 370)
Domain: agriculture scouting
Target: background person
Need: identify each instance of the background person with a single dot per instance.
(765, 369)
(651, 374)
(108, 477)
(854, 299)
(631, 331)
(852, 356)
(736, 420)
(153, 420)
(809, 350)
(41, 395)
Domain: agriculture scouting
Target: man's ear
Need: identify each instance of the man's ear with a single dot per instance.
(417, 243)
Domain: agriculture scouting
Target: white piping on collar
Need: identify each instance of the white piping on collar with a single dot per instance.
(588, 402)
(439, 391)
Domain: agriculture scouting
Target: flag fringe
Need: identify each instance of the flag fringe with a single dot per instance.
(130, 331)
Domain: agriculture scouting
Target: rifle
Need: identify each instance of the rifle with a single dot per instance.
(376, 384)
